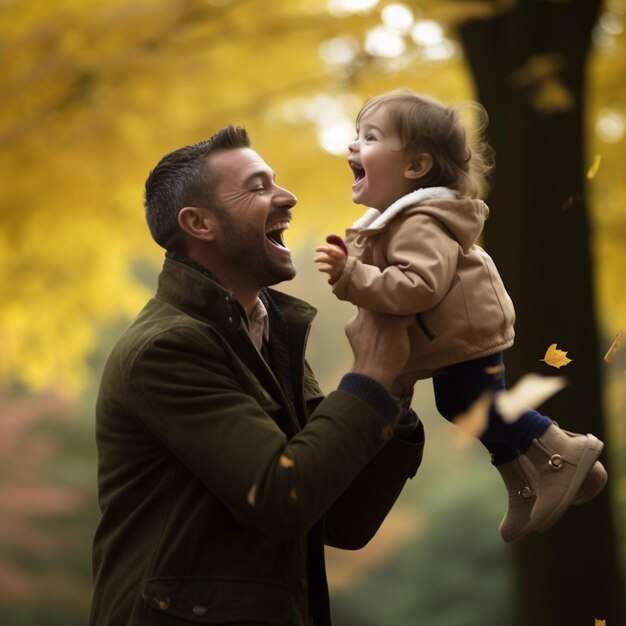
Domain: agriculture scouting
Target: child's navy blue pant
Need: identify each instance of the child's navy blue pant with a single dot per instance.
(458, 386)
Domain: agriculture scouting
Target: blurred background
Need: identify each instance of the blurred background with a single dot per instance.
(94, 92)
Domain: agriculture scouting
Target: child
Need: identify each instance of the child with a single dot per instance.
(413, 253)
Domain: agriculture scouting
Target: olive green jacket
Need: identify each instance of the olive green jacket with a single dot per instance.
(216, 498)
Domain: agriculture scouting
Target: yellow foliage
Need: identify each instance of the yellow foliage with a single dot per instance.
(94, 93)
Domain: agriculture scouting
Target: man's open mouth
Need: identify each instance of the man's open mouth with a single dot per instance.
(274, 233)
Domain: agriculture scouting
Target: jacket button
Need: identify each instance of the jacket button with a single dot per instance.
(199, 610)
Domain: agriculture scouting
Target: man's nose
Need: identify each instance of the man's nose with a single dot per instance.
(284, 198)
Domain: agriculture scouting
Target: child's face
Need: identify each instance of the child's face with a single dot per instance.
(379, 164)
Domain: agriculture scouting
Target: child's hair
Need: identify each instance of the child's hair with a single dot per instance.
(425, 125)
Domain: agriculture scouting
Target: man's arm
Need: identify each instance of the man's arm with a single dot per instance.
(378, 344)
(219, 423)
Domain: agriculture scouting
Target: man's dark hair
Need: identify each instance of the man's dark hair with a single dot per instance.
(182, 178)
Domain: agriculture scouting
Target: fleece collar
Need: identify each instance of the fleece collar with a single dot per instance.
(373, 219)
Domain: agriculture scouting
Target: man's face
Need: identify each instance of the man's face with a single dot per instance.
(255, 213)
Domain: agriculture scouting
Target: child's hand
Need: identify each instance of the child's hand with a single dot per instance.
(332, 258)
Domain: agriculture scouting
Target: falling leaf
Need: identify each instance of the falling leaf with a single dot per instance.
(551, 95)
(285, 461)
(609, 357)
(593, 170)
(538, 68)
(386, 433)
(494, 370)
(555, 357)
(252, 495)
(571, 202)
(529, 392)
(600, 622)
(293, 495)
(473, 423)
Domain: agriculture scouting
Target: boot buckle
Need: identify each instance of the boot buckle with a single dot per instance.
(525, 492)
(556, 461)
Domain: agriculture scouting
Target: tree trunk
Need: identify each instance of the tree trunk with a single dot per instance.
(528, 65)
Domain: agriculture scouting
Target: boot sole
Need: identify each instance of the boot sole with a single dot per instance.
(588, 458)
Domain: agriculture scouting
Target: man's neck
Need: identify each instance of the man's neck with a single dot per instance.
(246, 297)
(248, 300)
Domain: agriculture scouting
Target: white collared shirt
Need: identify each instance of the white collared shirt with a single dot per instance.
(258, 324)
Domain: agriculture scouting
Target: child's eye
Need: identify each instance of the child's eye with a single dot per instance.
(370, 137)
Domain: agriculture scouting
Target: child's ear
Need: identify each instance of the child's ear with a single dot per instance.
(420, 165)
(197, 222)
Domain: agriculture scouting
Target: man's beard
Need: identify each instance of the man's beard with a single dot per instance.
(243, 248)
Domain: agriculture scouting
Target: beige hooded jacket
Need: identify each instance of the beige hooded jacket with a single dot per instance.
(419, 258)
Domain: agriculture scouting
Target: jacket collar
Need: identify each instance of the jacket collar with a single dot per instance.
(373, 219)
(194, 290)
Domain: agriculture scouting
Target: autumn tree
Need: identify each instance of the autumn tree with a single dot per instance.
(92, 94)
(528, 60)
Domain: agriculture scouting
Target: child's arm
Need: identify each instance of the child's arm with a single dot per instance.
(332, 258)
(421, 258)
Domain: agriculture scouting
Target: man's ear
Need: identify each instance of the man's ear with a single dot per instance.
(197, 222)
(419, 166)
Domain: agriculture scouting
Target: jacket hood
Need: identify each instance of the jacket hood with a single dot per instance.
(463, 217)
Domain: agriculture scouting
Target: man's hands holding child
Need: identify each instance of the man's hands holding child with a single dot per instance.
(380, 344)
(332, 258)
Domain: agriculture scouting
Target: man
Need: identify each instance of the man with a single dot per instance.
(222, 469)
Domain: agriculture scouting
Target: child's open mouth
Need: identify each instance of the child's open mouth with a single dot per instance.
(358, 171)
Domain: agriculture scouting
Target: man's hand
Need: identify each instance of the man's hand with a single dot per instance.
(332, 258)
(380, 344)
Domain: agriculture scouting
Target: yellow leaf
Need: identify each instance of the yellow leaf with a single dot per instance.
(593, 170)
(252, 495)
(609, 357)
(600, 622)
(555, 357)
(571, 202)
(285, 461)
(386, 433)
(529, 392)
(495, 370)
(473, 423)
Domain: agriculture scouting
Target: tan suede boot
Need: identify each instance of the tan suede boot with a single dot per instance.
(521, 501)
(558, 463)
(516, 522)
